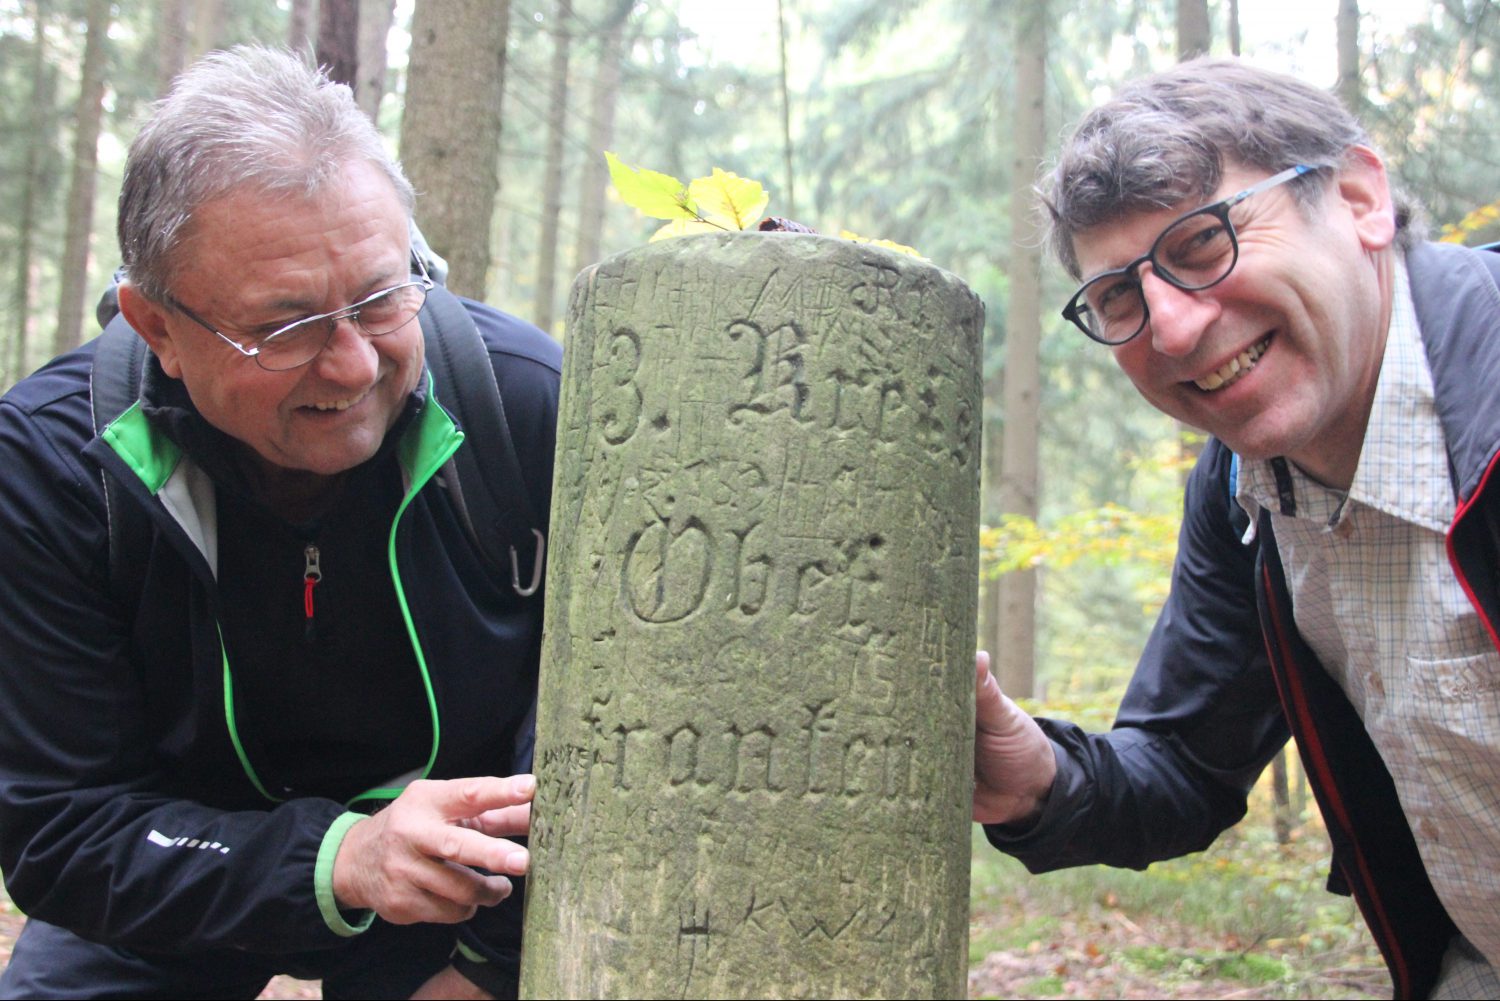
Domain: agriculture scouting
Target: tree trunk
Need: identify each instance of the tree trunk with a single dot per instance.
(338, 39)
(1281, 822)
(207, 22)
(299, 26)
(1348, 87)
(375, 17)
(450, 129)
(1234, 27)
(80, 217)
(990, 588)
(171, 42)
(557, 118)
(1019, 474)
(31, 188)
(601, 133)
(1193, 34)
(786, 114)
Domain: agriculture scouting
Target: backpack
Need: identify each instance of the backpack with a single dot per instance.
(485, 485)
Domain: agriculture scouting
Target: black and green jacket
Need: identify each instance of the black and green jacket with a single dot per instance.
(140, 802)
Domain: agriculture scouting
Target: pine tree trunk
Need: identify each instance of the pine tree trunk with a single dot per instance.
(1019, 460)
(557, 118)
(299, 26)
(601, 133)
(1193, 33)
(79, 230)
(31, 187)
(786, 113)
(375, 17)
(338, 39)
(450, 130)
(171, 41)
(1347, 22)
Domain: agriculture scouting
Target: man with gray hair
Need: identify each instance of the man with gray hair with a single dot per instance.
(260, 696)
(1242, 253)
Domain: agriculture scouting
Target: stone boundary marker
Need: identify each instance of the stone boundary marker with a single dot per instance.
(754, 741)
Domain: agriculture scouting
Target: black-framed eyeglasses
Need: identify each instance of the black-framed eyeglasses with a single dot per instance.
(1197, 251)
(299, 342)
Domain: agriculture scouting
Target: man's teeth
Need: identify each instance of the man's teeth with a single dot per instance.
(1234, 369)
(336, 405)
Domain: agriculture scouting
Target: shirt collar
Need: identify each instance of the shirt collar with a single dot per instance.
(1403, 462)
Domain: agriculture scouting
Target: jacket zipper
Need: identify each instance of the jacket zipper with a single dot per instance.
(312, 573)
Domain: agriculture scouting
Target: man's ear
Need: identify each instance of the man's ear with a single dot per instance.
(149, 319)
(1363, 186)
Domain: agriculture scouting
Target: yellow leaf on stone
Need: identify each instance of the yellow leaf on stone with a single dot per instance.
(728, 199)
(660, 196)
(685, 227)
(899, 248)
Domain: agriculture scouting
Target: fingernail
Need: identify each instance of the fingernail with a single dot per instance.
(525, 784)
(518, 861)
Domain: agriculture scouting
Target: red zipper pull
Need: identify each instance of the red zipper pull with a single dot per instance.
(312, 573)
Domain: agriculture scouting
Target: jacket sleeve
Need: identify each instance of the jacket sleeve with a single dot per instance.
(95, 835)
(1198, 723)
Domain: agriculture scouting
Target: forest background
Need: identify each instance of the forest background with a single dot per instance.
(926, 122)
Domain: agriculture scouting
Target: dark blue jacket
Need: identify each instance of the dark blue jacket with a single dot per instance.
(134, 806)
(1225, 677)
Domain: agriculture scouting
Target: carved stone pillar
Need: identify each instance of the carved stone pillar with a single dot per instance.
(756, 720)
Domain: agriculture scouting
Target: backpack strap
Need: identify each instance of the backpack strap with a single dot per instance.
(114, 386)
(494, 509)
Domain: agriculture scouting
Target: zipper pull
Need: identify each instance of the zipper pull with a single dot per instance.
(311, 574)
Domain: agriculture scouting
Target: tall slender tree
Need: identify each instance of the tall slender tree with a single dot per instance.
(1347, 25)
(338, 39)
(450, 129)
(299, 25)
(1193, 33)
(375, 19)
(80, 215)
(552, 179)
(31, 187)
(594, 178)
(1019, 485)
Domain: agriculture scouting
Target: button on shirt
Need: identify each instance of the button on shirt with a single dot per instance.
(1375, 597)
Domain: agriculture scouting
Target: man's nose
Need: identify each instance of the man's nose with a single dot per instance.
(1177, 318)
(349, 358)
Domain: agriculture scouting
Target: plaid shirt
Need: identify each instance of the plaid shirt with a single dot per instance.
(1374, 596)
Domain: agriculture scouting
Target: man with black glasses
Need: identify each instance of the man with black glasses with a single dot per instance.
(260, 696)
(1242, 253)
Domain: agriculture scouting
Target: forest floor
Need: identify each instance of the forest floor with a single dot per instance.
(1246, 919)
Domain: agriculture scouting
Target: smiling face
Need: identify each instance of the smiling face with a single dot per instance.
(1282, 356)
(253, 262)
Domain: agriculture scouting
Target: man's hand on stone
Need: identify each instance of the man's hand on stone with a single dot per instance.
(415, 860)
(1013, 761)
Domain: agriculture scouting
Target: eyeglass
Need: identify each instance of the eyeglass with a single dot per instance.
(1195, 252)
(298, 343)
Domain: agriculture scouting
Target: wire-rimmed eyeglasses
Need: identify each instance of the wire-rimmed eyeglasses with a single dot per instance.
(298, 343)
(1197, 251)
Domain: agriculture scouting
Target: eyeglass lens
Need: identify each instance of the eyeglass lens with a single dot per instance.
(1193, 253)
(381, 314)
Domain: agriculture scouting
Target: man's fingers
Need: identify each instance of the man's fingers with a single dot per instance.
(461, 799)
(506, 822)
(461, 887)
(989, 702)
(464, 846)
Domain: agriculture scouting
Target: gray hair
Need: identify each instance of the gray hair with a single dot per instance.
(1167, 138)
(247, 117)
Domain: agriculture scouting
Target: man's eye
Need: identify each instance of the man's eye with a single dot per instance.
(1112, 300)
